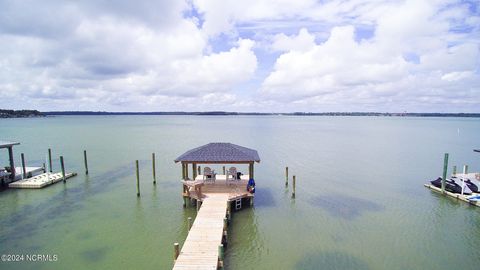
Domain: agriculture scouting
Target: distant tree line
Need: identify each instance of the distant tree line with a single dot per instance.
(222, 113)
(20, 113)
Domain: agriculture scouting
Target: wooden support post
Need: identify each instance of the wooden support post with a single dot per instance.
(465, 170)
(199, 170)
(176, 251)
(293, 183)
(183, 171)
(229, 211)
(153, 169)
(223, 170)
(189, 223)
(138, 179)
(85, 161)
(24, 168)
(250, 170)
(454, 171)
(286, 176)
(194, 171)
(220, 255)
(186, 171)
(62, 165)
(50, 159)
(445, 168)
(44, 168)
(12, 163)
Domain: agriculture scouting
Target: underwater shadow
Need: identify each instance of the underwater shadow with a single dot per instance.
(331, 260)
(344, 206)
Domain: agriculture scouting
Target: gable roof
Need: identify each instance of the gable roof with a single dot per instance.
(220, 153)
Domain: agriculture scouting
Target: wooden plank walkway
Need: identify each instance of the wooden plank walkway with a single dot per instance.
(200, 250)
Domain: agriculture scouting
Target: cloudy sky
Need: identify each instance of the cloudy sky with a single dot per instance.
(249, 55)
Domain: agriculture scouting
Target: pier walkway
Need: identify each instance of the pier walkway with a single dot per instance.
(200, 250)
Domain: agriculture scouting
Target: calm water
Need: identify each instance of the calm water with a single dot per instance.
(360, 200)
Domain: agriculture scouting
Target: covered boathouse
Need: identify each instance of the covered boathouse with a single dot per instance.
(228, 179)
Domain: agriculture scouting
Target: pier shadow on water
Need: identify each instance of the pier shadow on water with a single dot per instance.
(343, 206)
(95, 255)
(58, 206)
(331, 260)
(264, 197)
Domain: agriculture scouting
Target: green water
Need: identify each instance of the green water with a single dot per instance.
(360, 199)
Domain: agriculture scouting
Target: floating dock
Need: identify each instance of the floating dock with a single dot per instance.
(456, 195)
(201, 248)
(40, 181)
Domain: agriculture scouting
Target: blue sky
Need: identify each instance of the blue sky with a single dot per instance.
(262, 55)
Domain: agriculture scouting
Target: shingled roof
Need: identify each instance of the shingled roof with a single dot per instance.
(220, 153)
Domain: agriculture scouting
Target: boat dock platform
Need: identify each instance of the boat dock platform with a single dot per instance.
(41, 180)
(203, 247)
(457, 195)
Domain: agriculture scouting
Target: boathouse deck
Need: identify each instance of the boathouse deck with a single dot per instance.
(234, 189)
(201, 248)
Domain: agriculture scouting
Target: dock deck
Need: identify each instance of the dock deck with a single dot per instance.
(235, 189)
(200, 250)
(40, 181)
(456, 195)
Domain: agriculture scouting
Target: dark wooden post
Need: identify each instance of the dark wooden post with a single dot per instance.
(62, 164)
(250, 170)
(176, 251)
(186, 171)
(286, 176)
(153, 168)
(445, 168)
(293, 183)
(138, 179)
(194, 171)
(85, 160)
(50, 159)
(223, 170)
(24, 169)
(12, 163)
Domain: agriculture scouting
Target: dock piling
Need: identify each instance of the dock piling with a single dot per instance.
(286, 176)
(138, 179)
(44, 168)
(199, 170)
(445, 168)
(465, 169)
(24, 168)
(153, 169)
(50, 159)
(189, 223)
(454, 171)
(62, 164)
(220, 255)
(176, 251)
(85, 161)
(223, 170)
(293, 183)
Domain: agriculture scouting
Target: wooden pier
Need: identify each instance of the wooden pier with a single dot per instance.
(201, 248)
(214, 193)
